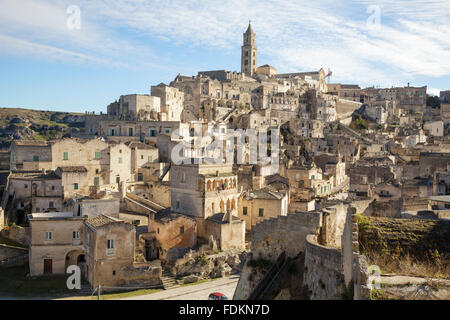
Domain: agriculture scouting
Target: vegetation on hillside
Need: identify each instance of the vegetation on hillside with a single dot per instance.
(26, 124)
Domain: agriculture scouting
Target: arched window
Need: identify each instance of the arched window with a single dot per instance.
(222, 209)
(208, 185)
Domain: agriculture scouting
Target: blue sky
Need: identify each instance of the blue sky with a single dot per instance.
(125, 46)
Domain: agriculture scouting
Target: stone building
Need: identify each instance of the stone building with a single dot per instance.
(166, 231)
(110, 248)
(144, 107)
(41, 191)
(172, 100)
(102, 246)
(74, 180)
(258, 205)
(208, 193)
(56, 242)
(30, 155)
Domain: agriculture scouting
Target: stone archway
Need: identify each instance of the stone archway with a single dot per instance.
(77, 257)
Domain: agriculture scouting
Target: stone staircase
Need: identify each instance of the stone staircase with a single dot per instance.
(85, 290)
(168, 281)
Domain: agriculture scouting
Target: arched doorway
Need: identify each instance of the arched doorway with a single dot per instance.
(77, 257)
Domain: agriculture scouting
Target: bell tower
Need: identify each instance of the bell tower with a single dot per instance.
(248, 57)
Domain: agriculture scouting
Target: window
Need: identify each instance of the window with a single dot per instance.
(152, 133)
(76, 235)
(96, 181)
(75, 186)
(51, 204)
(181, 230)
(117, 179)
(65, 155)
(140, 177)
(150, 159)
(130, 132)
(312, 177)
(112, 132)
(120, 160)
(48, 236)
(53, 187)
(110, 244)
(35, 158)
(97, 155)
(178, 204)
(183, 177)
(244, 211)
(261, 212)
(167, 130)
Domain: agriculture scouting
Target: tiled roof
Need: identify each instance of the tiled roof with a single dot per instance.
(30, 143)
(219, 218)
(101, 220)
(73, 169)
(33, 175)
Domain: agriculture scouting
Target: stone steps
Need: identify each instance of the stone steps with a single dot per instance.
(168, 281)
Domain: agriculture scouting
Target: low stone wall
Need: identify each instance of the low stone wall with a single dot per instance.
(390, 208)
(18, 234)
(284, 233)
(142, 274)
(322, 277)
(354, 265)
(7, 252)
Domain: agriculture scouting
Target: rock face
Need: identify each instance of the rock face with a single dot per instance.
(202, 265)
(413, 288)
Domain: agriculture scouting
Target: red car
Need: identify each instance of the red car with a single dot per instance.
(217, 296)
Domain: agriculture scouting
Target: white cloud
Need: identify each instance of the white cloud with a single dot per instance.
(434, 91)
(291, 35)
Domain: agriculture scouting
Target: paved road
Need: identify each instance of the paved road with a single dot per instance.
(200, 291)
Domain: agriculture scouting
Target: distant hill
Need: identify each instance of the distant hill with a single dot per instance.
(28, 124)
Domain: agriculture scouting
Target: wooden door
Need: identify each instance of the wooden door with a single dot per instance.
(47, 266)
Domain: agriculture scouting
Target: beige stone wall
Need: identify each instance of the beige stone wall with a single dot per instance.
(272, 209)
(55, 249)
(68, 180)
(271, 237)
(120, 163)
(82, 153)
(106, 267)
(169, 234)
(227, 236)
(92, 208)
(26, 154)
(322, 276)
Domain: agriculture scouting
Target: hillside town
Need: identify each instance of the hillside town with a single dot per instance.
(301, 187)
